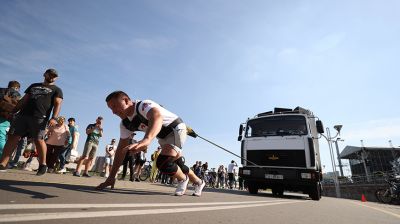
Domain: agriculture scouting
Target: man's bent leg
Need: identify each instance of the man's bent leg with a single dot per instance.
(42, 150)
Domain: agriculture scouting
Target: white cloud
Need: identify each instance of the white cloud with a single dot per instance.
(287, 52)
(373, 132)
(329, 41)
(156, 43)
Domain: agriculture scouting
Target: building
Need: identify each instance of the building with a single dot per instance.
(375, 159)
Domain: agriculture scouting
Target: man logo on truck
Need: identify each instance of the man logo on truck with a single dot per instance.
(273, 157)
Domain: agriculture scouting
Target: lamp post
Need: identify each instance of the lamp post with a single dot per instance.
(330, 139)
(364, 156)
(338, 157)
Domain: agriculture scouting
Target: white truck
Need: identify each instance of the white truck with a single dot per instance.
(280, 151)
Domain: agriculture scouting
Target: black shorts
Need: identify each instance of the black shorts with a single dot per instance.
(140, 162)
(28, 126)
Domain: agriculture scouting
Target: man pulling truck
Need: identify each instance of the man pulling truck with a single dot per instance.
(157, 122)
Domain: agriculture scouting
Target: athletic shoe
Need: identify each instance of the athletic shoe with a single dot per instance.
(76, 174)
(137, 180)
(42, 170)
(3, 168)
(86, 175)
(198, 188)
(27, 169)
(182, 185)
(63, 170)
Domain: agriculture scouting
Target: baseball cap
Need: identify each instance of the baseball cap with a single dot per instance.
(51, 71)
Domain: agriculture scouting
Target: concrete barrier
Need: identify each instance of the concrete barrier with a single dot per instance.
(354, 191)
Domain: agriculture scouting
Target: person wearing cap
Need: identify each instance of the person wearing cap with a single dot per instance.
(71, 147)
(94, 133)
(110, 152)
(34, 109)
(157, 122)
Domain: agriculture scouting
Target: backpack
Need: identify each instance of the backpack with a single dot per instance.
(7, 103)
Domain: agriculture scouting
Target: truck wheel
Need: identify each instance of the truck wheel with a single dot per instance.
(315, 192)
(277, 191)
(253, 189)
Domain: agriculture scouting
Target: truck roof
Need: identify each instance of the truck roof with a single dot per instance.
(279, 110)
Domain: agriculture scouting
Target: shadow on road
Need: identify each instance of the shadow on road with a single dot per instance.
(260, 193)
(19, 187)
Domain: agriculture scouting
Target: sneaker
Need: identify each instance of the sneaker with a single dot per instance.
(42, 170)
(198, 188)
(76, 174)
(86, 175)
(28, 169)
(182, 185)
(3, 168)
(106, 175)
(137, 180)
(63, 170)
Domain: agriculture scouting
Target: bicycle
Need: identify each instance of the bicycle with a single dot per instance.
(146, 171)
(390, 194)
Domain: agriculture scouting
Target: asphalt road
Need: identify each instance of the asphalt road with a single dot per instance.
(54, 198)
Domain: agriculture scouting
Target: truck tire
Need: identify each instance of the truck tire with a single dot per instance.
(277, 191)
(253, 188)
(315, 192)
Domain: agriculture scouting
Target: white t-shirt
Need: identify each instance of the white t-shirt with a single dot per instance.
(231, 167)
(144, 107)
(110, 148)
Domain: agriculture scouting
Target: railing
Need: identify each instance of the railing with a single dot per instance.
(376, 178)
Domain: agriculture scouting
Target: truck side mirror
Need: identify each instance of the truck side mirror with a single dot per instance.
(320, 126)
(240, 132)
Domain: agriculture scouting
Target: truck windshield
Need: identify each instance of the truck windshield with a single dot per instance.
(276, 126)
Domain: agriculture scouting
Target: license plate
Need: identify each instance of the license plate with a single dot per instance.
(276, 177)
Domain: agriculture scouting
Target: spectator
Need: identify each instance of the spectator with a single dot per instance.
(56, 142)
(94, 133)
(154, 169)
(129, 159)
(9, 98)
(34, 112)
(221, 176)
(110, 152)
(140, 159)
(232, 167)
(72, 144)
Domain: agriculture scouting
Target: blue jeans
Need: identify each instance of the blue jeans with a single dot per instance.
(4, 125)
(21, 146)
(64, 155)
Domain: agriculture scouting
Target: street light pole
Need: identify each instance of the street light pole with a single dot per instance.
(363, 158)
(329, 139)
(338, 157)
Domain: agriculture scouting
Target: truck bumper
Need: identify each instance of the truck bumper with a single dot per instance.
(290, 179)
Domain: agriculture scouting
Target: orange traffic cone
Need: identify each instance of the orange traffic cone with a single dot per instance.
(363, 199)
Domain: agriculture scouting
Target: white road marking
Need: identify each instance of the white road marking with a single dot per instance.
(378, 209)
(128, 205)
(73, 215)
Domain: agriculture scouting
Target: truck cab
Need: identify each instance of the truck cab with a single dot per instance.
(280, 151)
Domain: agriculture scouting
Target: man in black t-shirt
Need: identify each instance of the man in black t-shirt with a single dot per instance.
(34, 109)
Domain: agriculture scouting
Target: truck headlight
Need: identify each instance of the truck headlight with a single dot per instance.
(246, 172)
(306, 175)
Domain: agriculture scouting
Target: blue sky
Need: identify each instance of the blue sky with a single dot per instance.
(214, 63)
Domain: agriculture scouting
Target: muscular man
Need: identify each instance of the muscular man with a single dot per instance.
(156, 122)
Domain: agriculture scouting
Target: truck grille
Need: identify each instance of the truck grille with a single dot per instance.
(289, 158)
